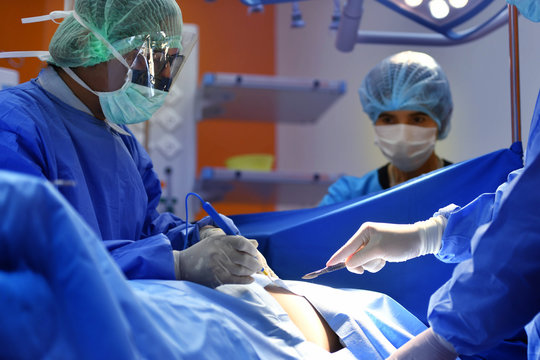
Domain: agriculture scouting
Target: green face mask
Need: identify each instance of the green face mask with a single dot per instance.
(130, 104)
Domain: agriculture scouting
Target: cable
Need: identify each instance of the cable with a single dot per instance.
(211, 212)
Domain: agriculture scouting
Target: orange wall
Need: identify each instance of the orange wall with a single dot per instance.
(22, 37)
(231, 40)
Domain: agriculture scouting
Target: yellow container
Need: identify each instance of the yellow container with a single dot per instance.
(252, 162)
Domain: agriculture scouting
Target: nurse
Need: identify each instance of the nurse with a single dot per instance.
(407, 98)
(112, 64)
(493, 292)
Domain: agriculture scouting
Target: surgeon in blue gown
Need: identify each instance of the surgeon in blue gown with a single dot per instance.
(407, 98)
(109, 66)
(493, 292)
(63, 297)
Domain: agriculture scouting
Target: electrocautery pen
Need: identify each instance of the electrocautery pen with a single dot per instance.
(217, 218)
(223, 225)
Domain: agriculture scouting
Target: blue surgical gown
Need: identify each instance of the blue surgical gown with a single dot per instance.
(106, 176)
(493, 292)
(352, 187)
(62, 297)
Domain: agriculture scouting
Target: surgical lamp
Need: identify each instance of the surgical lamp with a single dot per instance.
(336, 15)
(296, 18)
(256, 9)
(442, 16)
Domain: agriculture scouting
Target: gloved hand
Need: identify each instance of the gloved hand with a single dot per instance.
(425, 346)
(210, 230)
(217, 259)
(376, 243)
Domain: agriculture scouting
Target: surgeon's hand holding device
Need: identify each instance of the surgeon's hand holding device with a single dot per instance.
(222, 224)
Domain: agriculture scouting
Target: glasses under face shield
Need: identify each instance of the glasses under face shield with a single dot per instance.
(156, 69)
(156, 63)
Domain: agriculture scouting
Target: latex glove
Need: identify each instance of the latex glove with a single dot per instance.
(427, 345)
(218, 259)
(210, 230)
(376, 243)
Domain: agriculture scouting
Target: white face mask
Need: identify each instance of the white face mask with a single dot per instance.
(406, 146)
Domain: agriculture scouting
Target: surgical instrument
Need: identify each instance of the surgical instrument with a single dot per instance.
(314, 274)
(218, 220)
(338, 266)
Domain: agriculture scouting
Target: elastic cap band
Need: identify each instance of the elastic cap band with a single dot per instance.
(53, 15)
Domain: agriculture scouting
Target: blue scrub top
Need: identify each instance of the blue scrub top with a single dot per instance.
(493, 292)
(108, 177)
(352, 187)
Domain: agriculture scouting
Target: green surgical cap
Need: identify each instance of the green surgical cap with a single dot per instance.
(408, 80)
(120, 22)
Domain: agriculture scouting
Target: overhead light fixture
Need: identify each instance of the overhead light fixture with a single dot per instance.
(439, 9)
(413, 3)
(439, 15)
(458, 4)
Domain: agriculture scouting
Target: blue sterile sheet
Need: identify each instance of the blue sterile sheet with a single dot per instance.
(62, 296)
(300, 241)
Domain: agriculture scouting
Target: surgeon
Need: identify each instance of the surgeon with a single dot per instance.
(112, 63)
(407, 98)
(493, 291)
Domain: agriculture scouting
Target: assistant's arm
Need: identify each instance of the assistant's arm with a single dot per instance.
(495, 293)
(447, 235)
(462, 222)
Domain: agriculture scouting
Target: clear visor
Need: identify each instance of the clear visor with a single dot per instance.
(157, 61)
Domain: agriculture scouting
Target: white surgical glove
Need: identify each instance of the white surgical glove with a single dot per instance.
(427, 345)
(376, 243)
(218, 259)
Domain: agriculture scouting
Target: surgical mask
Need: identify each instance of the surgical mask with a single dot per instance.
(528, 8)
(130, 104)
(406, 146)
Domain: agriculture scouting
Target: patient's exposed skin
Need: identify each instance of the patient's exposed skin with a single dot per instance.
(306, 318)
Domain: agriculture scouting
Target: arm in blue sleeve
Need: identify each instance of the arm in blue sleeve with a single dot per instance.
(463, 222)
(350, 187)
(166, 223)
(337, 192)
(20, 145)
(149, 258)
(157, 223)
(495, 293)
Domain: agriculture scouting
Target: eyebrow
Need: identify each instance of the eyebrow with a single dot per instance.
(384, 113)
(418, 113)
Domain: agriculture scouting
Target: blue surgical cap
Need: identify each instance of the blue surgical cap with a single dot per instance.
(408, 81)
(528, 8)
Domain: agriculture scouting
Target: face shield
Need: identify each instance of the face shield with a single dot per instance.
(156, 61)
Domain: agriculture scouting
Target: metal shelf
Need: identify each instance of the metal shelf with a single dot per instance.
(267, 98)
(284, 188)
